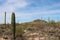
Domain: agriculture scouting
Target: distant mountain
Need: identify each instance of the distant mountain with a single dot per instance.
(39, 20)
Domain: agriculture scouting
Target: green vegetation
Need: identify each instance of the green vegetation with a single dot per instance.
(13, 24)
(18, 29)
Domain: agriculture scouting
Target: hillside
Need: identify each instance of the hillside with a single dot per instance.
(33, 26)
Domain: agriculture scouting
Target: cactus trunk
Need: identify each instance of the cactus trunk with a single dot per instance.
(13, 25)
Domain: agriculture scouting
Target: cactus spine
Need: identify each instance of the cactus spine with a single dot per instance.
(13, 24)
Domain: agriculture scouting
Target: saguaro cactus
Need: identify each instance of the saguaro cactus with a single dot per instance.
(5, 20)
(13, 24)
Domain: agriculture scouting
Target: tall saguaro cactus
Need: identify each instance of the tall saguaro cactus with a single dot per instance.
(13, 24)
(5, 20)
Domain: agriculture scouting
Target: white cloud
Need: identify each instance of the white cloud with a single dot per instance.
(12, 5)
(45, 12)
(36, 14)
(18, 3)
(23, 15)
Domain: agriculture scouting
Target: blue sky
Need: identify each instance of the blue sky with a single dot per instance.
(29, 10)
